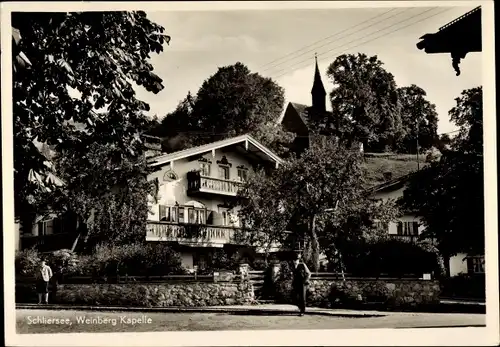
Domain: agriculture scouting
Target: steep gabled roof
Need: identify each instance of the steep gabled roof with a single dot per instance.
(303, 111)
(246, 139)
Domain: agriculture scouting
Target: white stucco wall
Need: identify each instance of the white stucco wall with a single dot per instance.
(394, 195)
(175, 191)
(386, 195)
(458, 264)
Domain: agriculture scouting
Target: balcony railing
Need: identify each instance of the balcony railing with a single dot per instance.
(411, 238)
(45, 243)
(191, 234)
(204, 184)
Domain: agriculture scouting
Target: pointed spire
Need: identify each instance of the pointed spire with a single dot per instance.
(318, 91)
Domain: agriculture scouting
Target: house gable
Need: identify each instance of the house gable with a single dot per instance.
(244, 144)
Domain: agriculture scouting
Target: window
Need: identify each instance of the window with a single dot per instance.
(225, 219)
(242, 175)
(475, 265)
(181, 214)
(200, 261)
(197, 216)
(192, 216)
(46, 227)
(205, 169)
(408, 228)
(50, 226)
(168, 213)
(224, 172)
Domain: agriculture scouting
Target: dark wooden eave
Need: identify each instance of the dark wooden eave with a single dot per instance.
(459, 37)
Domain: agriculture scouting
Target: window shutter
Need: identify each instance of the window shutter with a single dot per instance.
(400, 228)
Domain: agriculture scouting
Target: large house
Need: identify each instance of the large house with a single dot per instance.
(409, 227)
(195, 207)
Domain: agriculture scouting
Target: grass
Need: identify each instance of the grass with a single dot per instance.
(377, 164)
(222, 321)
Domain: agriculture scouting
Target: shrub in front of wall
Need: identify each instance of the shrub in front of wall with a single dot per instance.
(464, 286)
(283, 286)
(161, 259)
(221, 260)
(62, 262)
(394, 257)
(27, 262)
(136, 259)
(259, 265)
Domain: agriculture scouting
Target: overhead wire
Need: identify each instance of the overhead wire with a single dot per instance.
(301, 63)
(327, 38)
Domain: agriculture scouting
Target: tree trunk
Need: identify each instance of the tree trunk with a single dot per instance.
(314, 244)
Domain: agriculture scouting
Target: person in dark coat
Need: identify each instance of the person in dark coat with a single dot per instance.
(300, 282)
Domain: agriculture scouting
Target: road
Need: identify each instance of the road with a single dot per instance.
(38, 321)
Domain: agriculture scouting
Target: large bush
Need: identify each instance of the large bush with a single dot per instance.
(27, 261)
(135, 259)
(392, 257)
(221, 260)
(63, 261)
(283, 289)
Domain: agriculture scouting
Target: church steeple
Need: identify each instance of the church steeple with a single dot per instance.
(318, 91)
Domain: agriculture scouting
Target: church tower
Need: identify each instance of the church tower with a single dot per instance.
(318, 91)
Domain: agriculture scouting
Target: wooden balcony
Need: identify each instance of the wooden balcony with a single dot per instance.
(198, 184)
(191, 234)
(410, 238)
(46, 243)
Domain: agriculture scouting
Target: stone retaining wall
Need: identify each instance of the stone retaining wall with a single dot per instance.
(389, 293)
(395, 293)
(155, 294)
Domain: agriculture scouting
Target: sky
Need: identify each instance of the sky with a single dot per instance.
(281, 44)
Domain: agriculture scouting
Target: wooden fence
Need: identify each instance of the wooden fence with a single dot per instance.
(254, 276)
(217, 277)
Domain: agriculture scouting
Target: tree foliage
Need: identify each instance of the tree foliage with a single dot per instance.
(78, 90)
(107, 189)
(318, 194)
(364, 101)
(449, 194)
(232, 102)
(419, 118)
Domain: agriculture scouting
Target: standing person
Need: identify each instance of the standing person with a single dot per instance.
(43, 276)
(301, 277)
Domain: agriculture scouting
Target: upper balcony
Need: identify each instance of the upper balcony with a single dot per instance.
(204, 185)
(411, 238)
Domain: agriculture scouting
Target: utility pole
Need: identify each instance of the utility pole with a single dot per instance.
(418, 162)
